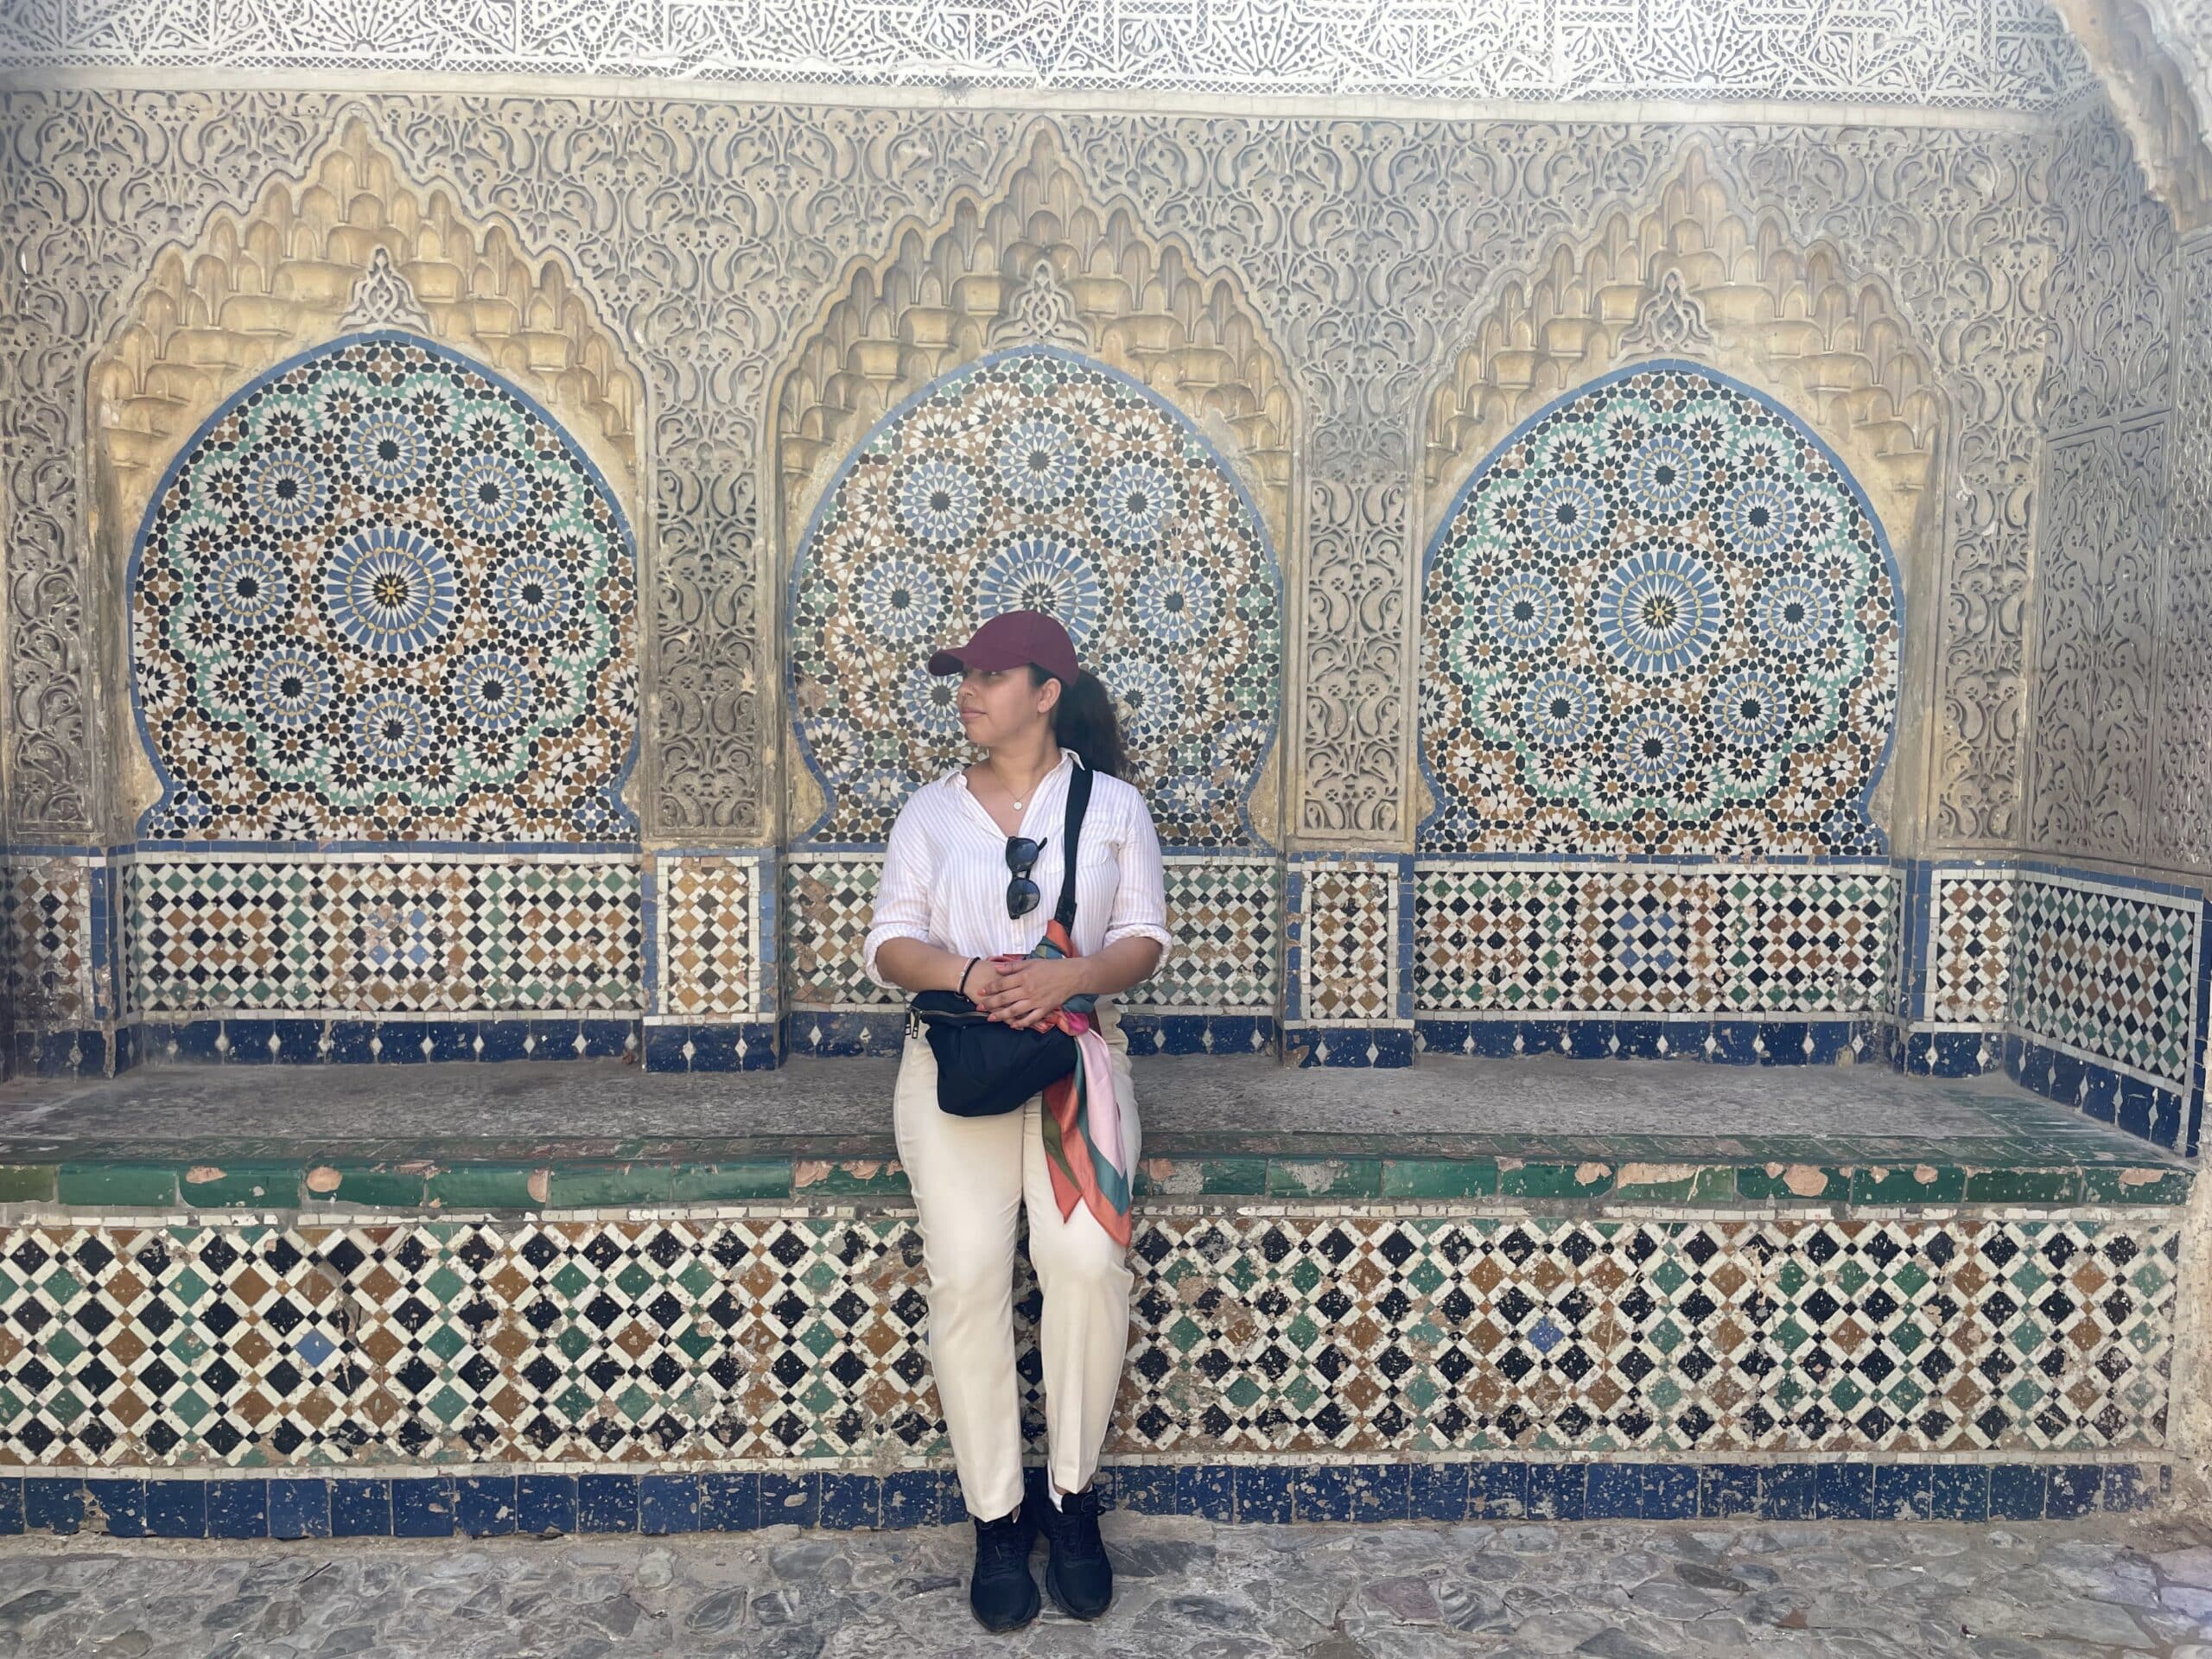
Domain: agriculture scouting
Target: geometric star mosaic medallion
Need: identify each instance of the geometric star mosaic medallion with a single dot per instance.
(1037, 480)
(1659, 619)
(380, 596)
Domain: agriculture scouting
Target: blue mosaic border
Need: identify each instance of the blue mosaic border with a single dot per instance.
(490, 1506)
(1953, 1052)
(829, 1034)
(101, 1051)
(1780, 1041)
(2146, 884)
(716, 1045)
(300, 1042)
(1353, 1047)
(2116, 1098)
(72, 1051)
(771, 1043)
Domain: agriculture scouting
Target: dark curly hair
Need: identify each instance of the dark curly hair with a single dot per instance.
(1084, 720)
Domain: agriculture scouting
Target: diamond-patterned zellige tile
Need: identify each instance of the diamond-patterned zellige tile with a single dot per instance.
(796, 1337)
(1552, 939)
(2107, 974)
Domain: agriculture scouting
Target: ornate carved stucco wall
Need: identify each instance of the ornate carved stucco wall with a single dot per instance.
(2153, 59)
(2092, 943)
(2104, 413)
(2180, 829)
(712, 236)
(2122, 728)
(1965, 54)
(1349, 312)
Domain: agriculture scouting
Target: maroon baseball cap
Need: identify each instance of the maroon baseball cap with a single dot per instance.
(1014, 640)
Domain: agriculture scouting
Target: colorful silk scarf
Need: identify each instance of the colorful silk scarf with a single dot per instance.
(1085, 1143)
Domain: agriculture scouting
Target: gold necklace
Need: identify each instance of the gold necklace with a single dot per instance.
(1022, 805)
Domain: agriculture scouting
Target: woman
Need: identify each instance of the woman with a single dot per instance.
(948, 917)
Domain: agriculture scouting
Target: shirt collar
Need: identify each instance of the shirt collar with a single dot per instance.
(1068, 758)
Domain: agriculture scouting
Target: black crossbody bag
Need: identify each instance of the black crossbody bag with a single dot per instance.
(984, 1067)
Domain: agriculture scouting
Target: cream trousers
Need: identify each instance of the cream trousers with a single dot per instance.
(971, 1177)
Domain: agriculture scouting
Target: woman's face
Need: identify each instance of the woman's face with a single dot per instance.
(1004, 705)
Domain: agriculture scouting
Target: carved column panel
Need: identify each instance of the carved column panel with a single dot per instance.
(2181, 818)
(93, 183)
(2104, 406)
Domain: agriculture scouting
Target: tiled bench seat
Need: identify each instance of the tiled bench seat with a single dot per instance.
(478, 1297)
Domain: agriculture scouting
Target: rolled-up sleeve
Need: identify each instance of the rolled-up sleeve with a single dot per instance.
(1140, 896)
(902, 896)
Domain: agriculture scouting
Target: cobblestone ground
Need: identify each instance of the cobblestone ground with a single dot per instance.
(1187, 1588)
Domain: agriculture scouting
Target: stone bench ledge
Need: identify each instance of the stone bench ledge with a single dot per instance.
(463, 1138)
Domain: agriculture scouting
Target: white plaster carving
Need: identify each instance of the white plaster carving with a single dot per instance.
(384, 299)
(1671, 320)
(1962, 53)
(1041, 312)
(2184, 28)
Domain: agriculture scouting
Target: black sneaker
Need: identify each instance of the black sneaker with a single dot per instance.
(1078, 1575)
(1002, 1591)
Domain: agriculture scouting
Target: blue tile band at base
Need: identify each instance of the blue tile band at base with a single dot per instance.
(754, 1045)
(68, 1052)
(1605, 1036)
(851, 1033)
(1380, 1047)
(287, 1042)
(360, 1509)
(2143, 1110)
(1201, 1033)
(843, 1034)
(490, 1503)
(1960, 1053)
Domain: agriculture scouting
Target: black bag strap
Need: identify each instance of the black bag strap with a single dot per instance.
(1072, 843)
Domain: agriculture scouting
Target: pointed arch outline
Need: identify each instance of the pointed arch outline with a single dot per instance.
(261, 277)
(924, 304)
(1828, 333)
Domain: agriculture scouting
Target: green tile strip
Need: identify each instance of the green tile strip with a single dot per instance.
(2033, 1153)
(598, 1183)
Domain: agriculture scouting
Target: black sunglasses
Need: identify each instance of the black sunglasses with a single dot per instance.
(1021, 894)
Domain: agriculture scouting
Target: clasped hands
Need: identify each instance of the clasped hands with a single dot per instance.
(1024, 992)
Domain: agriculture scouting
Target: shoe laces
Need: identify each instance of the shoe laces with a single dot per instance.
(1003, 1542)
(1077, 1535)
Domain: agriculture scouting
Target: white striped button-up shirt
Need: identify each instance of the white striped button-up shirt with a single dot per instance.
(945, 875)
